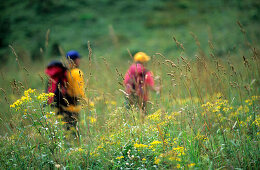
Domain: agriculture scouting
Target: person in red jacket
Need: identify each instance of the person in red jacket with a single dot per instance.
(68, 85)
(138, 80)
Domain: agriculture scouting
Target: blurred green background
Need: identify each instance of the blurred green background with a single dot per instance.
(113, 26)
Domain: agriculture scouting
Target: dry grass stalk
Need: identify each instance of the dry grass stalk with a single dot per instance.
(130, 54)
(62, 53)
(4, 94)
(180, 45)
(113, 35)
(106, 63)
(241, 27)
(89, 53)
(246, 62)
(171, 62)
(41, 78)
(187, 64)
(211, 45)
(47, 38)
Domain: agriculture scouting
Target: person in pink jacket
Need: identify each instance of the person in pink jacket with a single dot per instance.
(137, 81)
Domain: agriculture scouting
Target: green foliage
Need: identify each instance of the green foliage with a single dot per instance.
(73, 23)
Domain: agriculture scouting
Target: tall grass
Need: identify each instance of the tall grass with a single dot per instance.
(205, 116)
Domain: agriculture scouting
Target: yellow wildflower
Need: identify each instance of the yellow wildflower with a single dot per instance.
(120, 157)
(180, 150)
(99, 147)
(27, 92)
(243, 124)
(174, 159)
(257, 121)
(45, 96)
(155, 116)
(250, 102)
(94, 154)
(93, 120)
(156, 142)
(255, 98)
(226, 109)
(136, 145)
(162, 123)
(113, 102)
(207, 105)
(17, 103)
(91, 104)
(191, 165)
(48, 115)
(156, 160)
(246, 109)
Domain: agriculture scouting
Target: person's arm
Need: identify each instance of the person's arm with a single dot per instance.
(127, 83)
(149, 80)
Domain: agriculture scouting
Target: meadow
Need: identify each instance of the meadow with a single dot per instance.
(205, 116)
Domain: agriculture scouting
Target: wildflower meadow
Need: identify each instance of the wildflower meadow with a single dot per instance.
(206, 114)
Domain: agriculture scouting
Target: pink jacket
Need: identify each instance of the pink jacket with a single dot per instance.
(137, 79)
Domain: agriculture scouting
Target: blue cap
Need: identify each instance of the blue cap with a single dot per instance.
(72, 55)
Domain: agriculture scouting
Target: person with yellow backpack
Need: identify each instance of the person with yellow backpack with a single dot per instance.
(67, 83)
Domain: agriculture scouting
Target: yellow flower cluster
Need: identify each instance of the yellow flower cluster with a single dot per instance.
(23, 99)
(91, 104)
(44, 96)
(219, 105)
(80, 150)
(156, 160)
(173, 158)
(242, 109)
(242, 123)
(179, 150)
(94, 153)
(48, 115)
(92, 119)
(100, 147)
(97, 149)
(155, 116)
(120, 157)
(251, 100)
(201, 137)
(136, 145)
(113, 103)
(156, 142)
(29, 91)
(257, 121)
(174, 154)
(191, 165)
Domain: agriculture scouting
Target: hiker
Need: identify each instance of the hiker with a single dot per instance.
(67, 83)
(138, 80)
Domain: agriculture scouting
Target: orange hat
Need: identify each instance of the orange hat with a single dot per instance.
(141, 57)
